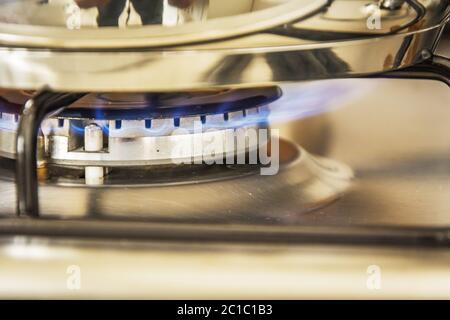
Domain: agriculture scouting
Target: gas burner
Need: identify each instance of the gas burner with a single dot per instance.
(127, 141)
(200, 192)
(109, 110)
(103, 131)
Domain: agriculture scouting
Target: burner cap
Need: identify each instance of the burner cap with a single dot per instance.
(116, 106)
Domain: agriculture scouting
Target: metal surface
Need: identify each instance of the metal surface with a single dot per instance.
(127, 139)
(93, 142)
(350, 19)
(36, 267)
(135, 122)
(277, 55)
(46, 103)
(8, 130)
(225, 22)
(392, 4)
(201, 193)
(232, 231)
(149, 105)
(401, 155)
(133, 144)
(434, 68)
(35, 110)
(401, 180)
(397, 140)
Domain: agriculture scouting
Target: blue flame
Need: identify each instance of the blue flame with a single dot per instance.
(297, 102)
(76, 129)
(80, 129)
(305, 100)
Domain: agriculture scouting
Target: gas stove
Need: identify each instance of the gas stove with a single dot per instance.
(197, 149)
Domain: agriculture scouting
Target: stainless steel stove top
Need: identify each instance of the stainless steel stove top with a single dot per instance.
(362, 181)
(399, 196)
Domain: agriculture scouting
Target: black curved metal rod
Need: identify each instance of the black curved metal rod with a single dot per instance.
(41, 105)
(434, 68)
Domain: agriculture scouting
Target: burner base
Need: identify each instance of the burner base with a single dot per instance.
(212, 193)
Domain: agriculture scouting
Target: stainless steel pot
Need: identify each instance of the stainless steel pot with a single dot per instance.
(264, 43)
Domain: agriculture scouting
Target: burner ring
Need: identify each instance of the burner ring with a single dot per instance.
(144, 129)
